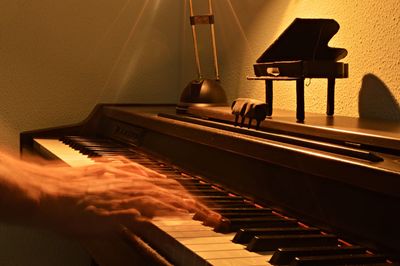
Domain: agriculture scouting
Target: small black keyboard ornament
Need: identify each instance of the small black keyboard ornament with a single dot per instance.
(301, 52)
(249, 108)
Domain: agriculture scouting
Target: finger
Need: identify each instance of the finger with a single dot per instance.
(111, 221)
(203, 211)
(145, 203)
(128, 165)
(150, 207)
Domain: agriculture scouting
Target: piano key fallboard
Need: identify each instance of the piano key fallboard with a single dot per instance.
(255, 230)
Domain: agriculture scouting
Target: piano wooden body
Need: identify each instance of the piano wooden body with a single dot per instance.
(339, 174)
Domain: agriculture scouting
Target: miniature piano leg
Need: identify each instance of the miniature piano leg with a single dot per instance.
(330, 107)
(300, 99)
(268, 96)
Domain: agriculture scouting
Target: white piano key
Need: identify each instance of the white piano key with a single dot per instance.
(207, 240)
(68, 155)
(191, 234)
(186, 220)
(184, 228)
(230, 254)
(175, 226)
(214, 247)
(254, 261)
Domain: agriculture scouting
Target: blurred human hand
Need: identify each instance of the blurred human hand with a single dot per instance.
(99, 199)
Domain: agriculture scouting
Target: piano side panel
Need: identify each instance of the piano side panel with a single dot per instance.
(87, 126)
(93, 125)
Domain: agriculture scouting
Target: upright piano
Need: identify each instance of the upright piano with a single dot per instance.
(322, 192)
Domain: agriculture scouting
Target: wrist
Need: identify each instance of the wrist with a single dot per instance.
(20, 193)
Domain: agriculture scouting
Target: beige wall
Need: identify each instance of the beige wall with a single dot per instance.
(59, 58)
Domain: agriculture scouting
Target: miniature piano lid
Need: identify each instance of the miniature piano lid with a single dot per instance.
(378, 135)
(305, 39)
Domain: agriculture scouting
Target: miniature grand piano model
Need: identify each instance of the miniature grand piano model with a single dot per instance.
(300, 52)
(319, 193)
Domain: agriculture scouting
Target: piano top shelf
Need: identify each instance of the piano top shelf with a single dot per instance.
(355, 131)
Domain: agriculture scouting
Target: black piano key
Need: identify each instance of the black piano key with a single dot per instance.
(270, 243)
(245, 235)
(222, 202)
(201, 186)
(234, 224)
(144, 161)
(108, 148)
(158, 165)
(253, 209)
(76, 139)
(228, 204)
(250, 210)
(157, 168)
(185, 180)
(284, 256)
(73, 137)
(376, 264)
(220, 198)
(98, 145)
(231, 215)
(150, 162)
(244, 208)
(356, 259)
(165, 170)
(107, 153)
(90, 154)
(96, 149)
(183, 176)
(206, 192)
(197, 186)
(100, 148)
(136, 157)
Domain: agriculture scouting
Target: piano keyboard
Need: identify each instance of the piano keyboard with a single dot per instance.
(70, 156)
(247, 235)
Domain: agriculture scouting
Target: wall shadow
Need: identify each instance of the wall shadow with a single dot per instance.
(375, 100)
